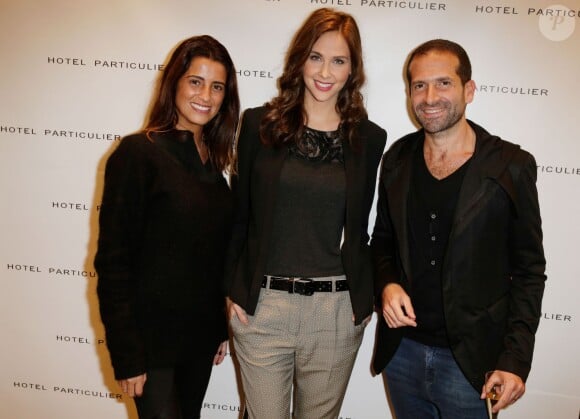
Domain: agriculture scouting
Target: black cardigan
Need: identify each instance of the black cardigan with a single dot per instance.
(255, 189)
(165, 222)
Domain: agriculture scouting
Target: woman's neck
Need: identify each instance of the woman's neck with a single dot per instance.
(321, 116)
(199, 143)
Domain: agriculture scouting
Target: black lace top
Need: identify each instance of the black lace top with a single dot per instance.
(319, 146)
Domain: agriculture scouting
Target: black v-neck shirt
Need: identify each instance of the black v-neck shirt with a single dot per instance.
(432, 205)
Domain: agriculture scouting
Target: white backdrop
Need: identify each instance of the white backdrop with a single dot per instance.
(77, 75)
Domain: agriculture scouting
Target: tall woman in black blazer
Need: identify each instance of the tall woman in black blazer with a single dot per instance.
(165, 223)
(299, 274)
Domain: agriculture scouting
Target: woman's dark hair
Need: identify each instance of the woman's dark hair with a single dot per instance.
(284, 120)
(219, 133)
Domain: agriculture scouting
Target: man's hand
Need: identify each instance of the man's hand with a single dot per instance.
(397, 308)
(509, 386)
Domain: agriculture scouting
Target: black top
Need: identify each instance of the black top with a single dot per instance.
(309, 213)
(432, 204)
(256, 190)
(165, 221)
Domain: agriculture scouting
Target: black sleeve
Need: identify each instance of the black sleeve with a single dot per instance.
(527, 265)
(247, 146)
(121, 222)
(376, 146)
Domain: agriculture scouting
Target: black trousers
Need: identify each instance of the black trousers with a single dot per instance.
(176, 392)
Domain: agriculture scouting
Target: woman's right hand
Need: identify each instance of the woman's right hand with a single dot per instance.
(133, 386)
(232, 309)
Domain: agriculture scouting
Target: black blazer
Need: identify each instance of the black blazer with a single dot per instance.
(493, 272)
(255, 188)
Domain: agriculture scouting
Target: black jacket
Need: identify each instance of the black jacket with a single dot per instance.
(255, 189)
(493, 270)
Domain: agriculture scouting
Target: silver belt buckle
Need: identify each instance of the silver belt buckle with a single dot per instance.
(301, 286)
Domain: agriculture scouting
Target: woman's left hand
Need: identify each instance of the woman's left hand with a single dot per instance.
(221, 353)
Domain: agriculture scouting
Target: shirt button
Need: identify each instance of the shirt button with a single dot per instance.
(433, 215)
(433, 238)
(432, 263)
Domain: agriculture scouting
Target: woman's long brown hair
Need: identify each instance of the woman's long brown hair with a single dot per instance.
(219, 133)
(284, 120)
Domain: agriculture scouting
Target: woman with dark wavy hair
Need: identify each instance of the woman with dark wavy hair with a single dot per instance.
(164, 226)
(298, 272)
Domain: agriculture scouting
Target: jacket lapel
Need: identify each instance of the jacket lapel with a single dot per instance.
(398, 183)
(398, 203)
(488, 165)
(272, 161)
(354, 166)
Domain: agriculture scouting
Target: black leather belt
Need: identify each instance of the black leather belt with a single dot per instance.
(303, 286)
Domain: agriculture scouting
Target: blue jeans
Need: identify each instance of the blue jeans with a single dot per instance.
(426, 382)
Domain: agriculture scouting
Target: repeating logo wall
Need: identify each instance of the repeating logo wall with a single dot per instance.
(76, 79)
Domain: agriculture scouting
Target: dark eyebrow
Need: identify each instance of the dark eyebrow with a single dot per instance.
(344, 57)
(195, 76)
(445, 78)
